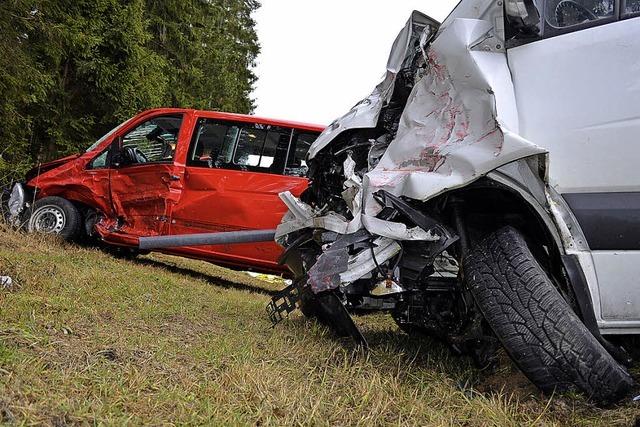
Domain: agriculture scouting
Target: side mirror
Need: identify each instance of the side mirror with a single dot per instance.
(116, 160)
(121, 156)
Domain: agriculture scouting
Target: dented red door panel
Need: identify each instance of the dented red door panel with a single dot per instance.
(141, 196)
(226, 200)
(144, 173)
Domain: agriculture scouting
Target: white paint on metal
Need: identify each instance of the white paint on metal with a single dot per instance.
(363, 263)
(578, 97)
(365, 113)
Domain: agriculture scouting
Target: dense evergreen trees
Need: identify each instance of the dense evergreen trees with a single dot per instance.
(72, 69)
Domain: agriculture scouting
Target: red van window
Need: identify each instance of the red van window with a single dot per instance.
(242, 146)
(154, 140)
(631, 8)
(296, 164)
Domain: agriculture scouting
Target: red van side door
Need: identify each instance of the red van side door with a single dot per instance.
(143, 179)
(233, 174)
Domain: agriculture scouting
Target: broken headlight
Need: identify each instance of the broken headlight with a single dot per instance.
(16, 201)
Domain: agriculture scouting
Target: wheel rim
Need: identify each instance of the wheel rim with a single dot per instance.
(48, 219)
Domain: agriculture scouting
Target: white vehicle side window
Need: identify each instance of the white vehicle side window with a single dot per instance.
(568, 13)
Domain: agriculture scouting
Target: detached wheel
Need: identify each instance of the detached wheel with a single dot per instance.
(55, 215)
(535, 324)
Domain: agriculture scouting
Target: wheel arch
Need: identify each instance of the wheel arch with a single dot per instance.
(79, 195)
(76, 195)
(538, 221)
(495, 201)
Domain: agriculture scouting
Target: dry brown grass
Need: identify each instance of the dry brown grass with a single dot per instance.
(90, 339)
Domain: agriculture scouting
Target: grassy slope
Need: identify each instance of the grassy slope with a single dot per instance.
(89, 338)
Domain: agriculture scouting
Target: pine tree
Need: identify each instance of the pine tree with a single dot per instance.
(72, 69)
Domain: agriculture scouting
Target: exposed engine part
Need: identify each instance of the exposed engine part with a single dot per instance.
(283, 303)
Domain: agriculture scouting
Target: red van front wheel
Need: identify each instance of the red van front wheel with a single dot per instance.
(55, 215)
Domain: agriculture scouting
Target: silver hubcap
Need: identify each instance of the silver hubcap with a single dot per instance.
(48, 219)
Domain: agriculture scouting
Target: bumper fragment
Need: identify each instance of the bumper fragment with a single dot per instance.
(16, 204)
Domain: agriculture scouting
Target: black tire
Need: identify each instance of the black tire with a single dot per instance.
(55, 215)
(535, 324)
(329, 310)
(307, 303)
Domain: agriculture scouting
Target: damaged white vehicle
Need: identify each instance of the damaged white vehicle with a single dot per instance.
(487, 192)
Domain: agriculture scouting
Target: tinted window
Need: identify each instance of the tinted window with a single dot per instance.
(262, 148)
(297, 165)
(212, 144)
(254, 147)
(631, 7)
(153, 141)
(569, 13)
(249, 148)
(275, 148)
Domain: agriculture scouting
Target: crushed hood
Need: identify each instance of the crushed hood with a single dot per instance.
(365, 113)
(47, 166)
(459, 122)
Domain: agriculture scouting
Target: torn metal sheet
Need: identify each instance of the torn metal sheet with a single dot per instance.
(459, 122)
(451, 131)
(352, 193)
(335, 267)
(302, 216)
(364, 262)
(326, 272)
(365, 114)
(397, 230)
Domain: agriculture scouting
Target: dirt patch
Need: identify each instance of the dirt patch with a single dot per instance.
(507, 379)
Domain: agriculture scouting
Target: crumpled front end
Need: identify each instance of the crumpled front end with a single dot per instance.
(439, 212)
(369, 227)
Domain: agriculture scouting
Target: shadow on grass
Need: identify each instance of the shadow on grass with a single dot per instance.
(418, 351)
(212, 280)
(395, 352)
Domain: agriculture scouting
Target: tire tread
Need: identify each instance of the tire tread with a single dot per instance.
(535, 324)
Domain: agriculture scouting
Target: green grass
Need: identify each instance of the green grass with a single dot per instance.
(90, 339)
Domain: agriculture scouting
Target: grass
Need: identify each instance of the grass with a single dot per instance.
(89, 339)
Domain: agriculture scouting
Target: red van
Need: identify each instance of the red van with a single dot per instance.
(173, 171)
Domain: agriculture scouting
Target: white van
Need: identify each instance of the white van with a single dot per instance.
(488, 192)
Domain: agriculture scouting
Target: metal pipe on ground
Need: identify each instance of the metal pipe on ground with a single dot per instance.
(222, 238)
